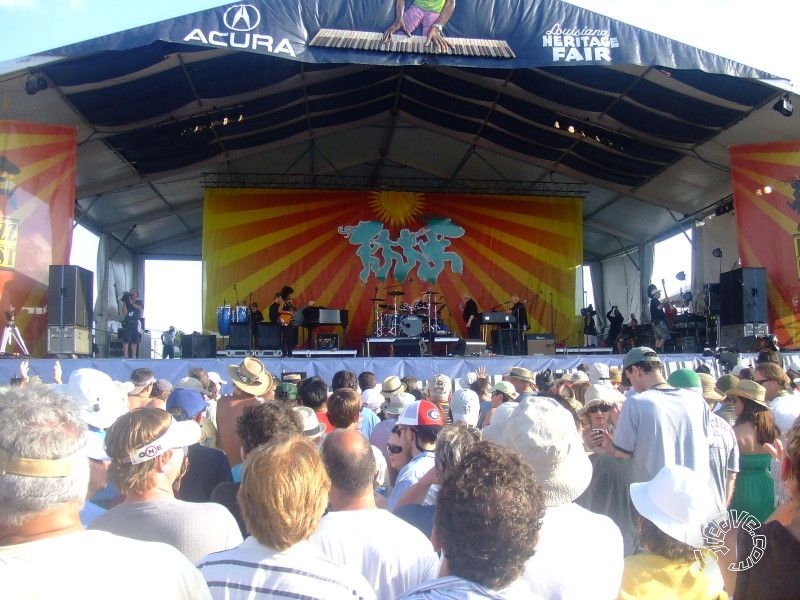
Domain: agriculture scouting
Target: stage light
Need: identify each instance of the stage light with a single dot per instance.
(767, 189)
(571, 129)
(35, 83)
(557, 125)
(784, 106)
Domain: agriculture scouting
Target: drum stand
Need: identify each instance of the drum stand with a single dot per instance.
(393, 331)
(378, 315)
(10, 332)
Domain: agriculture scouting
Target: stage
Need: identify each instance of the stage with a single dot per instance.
(423, 368)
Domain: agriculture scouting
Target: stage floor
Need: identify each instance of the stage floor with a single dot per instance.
(423, 368)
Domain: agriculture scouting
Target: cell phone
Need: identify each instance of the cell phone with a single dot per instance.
(596, 431)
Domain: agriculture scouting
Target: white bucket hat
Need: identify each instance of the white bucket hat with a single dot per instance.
(97, 396)
(544, 434)
(676, 501)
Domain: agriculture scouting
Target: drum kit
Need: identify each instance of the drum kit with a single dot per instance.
(404, 320)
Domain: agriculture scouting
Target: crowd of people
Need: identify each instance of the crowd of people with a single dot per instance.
(599, 483)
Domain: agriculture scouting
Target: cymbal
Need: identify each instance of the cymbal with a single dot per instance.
(376, 299)
(431, 293)
(384, 306)
(397, 293)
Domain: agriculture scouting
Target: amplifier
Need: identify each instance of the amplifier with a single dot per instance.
(327, 341)
(268, 353)
(540, 343)
(69, 339)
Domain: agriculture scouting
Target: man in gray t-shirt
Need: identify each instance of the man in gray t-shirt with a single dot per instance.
(661, 425)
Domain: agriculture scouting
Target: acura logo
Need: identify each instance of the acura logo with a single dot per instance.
(242, 17)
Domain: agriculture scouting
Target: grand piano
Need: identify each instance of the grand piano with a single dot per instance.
(312, 317)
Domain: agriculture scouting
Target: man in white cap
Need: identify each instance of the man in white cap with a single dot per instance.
(545, 435)
(147, 450)
(440, 392)
(44, 552)
(392, 555)
(251, 381)
(659, 424)
(380, 435)
(420, 424)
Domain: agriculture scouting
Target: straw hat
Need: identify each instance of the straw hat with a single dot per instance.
(250, 376)
(522, 374)
(391, 385)
(750, 390)
(709, 392)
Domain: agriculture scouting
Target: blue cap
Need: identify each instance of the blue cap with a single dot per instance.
(190, 401)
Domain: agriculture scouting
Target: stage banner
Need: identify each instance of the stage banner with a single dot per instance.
(766, 192)
(352, 249)
(483, 34)
(37, 203)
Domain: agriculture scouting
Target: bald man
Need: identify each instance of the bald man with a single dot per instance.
(392, 555)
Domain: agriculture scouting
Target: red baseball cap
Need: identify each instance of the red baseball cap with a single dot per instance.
(421, 413)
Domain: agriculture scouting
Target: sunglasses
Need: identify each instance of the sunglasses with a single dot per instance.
(598, 408)
(762, 381)
(394, 449)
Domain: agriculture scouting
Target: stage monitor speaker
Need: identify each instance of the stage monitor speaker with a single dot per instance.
(507, 342)
(240, 337)
(69, 296)
(743, 296)
(268, 336)
(199, 346)
(540, 343)
(468, 347)
(407, 347)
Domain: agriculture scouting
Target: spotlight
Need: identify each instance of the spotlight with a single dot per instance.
(557, 125)
(784, 106)
(767, 189)
(35, 83)
(571, 129)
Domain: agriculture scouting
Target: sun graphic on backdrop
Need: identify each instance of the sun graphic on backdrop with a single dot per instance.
(396, 208)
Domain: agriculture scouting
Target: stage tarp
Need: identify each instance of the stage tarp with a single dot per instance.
(342, 248)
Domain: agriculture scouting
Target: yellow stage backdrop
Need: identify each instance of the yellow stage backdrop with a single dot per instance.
(37, 203)
(342, 248)
(766, 191)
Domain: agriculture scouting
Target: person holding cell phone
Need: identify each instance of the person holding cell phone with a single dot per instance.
(602, 401)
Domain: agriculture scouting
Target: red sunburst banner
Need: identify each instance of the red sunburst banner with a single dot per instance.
(766, 191)
(342, 248)
(37, 200)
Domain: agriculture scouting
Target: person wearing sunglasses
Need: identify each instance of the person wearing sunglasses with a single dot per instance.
(602, 402)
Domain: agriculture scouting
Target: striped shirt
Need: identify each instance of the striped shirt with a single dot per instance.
(252, 570)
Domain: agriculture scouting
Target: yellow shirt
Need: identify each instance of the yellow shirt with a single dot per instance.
(659, 578)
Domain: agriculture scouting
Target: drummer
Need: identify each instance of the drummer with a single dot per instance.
(421, 307)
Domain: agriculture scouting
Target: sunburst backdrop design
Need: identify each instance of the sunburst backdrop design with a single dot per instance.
(766, 189)
(260, 240)
(38, 165)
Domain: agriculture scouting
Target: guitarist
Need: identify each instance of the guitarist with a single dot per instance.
(658, 318)
(282, 311)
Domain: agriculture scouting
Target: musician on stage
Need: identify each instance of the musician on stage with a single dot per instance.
(658, 318)
(431, 15)
(519, 312)
(256, 317)
(282, 311)
(131, 323)
(472, 318)
(615, 320)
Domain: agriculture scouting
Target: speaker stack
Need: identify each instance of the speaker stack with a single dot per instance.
(70, 316)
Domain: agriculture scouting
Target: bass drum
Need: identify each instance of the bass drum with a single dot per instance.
(224, 320)
(411, 326)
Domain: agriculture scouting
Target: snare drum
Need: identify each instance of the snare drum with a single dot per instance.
(411, 326)
(224, 320)
(440, 327)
